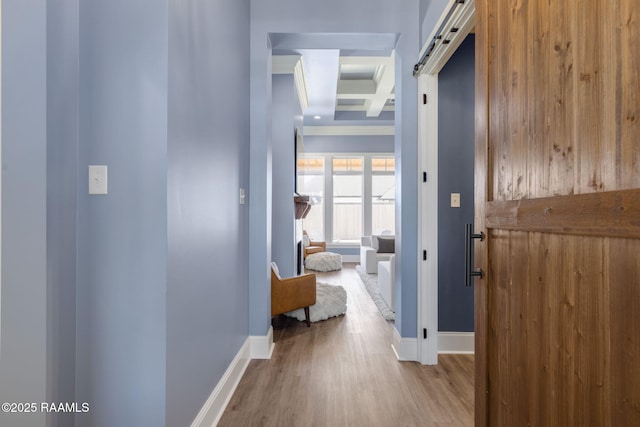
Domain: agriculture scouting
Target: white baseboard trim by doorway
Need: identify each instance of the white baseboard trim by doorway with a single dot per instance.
(254, 347)
(405, 349)
(262, 345)
(456, 343)
(217, 402)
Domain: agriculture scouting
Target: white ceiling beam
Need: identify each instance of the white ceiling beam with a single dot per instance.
(292, 64)
(366, 96)
(301, 85)
(348, 130)
(360, 108)
(284, 64)
(385, 83)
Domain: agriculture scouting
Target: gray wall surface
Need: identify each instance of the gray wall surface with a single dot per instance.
(208, 158)
(23, 337)
(122, 236)
(286, 115)
(455, 166)
(348, 144)
(430, 12)
(399, 19)
(62, 180)
(122, 298)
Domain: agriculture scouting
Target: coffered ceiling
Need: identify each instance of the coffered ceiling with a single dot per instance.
(352, 92)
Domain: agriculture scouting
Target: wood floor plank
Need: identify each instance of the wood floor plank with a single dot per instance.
(343, 372)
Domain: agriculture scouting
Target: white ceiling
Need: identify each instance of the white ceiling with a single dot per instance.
(343, 88)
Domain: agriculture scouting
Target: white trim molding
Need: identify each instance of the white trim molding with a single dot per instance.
(261, 346)
(351, 258)
(405, 349)
(217, 402)
(292, 64)
(442, 41)
(428, 225)
(348, 130)
(456, 343)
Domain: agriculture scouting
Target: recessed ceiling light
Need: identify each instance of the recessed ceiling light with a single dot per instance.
(317, 117)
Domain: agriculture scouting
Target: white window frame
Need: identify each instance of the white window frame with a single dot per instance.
(370, 181)
(367, 192)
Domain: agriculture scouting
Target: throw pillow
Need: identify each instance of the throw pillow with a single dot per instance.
(306, 241)
(386, 245)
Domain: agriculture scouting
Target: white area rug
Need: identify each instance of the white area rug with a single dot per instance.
(323, 261)
(371, 283)
(331, 301)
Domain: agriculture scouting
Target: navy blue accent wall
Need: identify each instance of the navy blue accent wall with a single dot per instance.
(455, 166)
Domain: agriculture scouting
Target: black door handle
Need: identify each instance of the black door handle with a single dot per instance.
(470, 273)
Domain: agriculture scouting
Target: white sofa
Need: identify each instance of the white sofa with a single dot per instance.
(386, 281)
(369, 256)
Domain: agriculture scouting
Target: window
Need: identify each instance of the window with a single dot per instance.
(383, 195)
(347, 199)
(311, 183)
(352, 196)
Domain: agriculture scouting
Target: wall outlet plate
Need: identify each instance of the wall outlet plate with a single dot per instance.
(455, 200)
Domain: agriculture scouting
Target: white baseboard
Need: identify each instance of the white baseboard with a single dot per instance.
(255, 347)
(262, 345)
(215, 405)
(405, 349)
(456, 343)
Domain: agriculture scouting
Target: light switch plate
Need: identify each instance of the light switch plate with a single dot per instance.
(455, 200)
(97, 179)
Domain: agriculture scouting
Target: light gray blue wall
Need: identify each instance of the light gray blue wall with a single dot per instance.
(334, 16)
(24, 211)
(430, 12)
(349, 144)
(456, 123)
(287, 115)
(62, 171)
(207, 288)
(122, 236)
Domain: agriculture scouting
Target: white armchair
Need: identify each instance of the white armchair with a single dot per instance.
(386, 281)
(369, 256)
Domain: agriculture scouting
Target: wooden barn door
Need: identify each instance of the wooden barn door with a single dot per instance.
(558, 199)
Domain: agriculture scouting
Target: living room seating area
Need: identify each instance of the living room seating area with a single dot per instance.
(374, 249)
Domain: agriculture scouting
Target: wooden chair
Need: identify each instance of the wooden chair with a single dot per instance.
(314, 247)
(292, 293)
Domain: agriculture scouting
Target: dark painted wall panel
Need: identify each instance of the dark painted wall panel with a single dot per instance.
(455, 175)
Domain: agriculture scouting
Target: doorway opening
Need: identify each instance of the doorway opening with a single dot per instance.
(446, 139)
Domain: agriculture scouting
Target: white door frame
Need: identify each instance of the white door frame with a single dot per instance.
(462, 17)
(428, 219)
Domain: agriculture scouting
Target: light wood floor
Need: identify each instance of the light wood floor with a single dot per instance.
(343, 372)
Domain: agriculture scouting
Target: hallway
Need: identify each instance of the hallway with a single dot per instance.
(343, 372)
